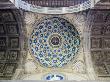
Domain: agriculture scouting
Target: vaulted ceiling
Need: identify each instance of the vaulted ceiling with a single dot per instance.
(55, 3)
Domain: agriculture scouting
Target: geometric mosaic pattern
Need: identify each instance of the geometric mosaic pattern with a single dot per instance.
(54, 42)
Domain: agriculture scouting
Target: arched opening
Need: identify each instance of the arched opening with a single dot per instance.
(11, 48)
(100, 43)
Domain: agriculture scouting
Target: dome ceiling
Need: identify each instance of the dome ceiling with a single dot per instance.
(54, 6)
(54, 42)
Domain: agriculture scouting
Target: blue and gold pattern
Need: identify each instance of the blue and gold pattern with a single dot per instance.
(54, 42)
(54, 77)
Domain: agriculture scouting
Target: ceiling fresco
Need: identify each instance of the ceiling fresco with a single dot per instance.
(54, 42)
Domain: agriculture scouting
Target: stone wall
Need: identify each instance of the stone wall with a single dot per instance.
(11, 48)
(99, 26)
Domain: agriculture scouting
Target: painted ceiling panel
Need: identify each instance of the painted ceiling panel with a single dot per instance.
(54, 42)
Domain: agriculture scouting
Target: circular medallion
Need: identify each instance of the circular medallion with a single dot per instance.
(54, 42)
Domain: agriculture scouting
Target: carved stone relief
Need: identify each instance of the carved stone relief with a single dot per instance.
(12, 28)
(97, 29)
(95, 42)
(106, 30)
(100, 42)
(13, 42)
(10, 49)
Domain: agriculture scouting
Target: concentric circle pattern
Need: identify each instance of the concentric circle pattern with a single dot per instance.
(54, 42)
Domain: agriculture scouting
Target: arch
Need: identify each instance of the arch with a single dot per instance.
(99, 44)
(11, 44)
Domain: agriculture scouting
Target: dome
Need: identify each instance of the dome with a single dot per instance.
(54, 42)
(54, 6)
(55, 3)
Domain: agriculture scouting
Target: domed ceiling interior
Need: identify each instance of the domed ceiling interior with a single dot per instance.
(54, 42)
(55, 3)
(54, 6)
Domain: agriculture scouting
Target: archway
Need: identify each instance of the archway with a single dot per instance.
(11, 44)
